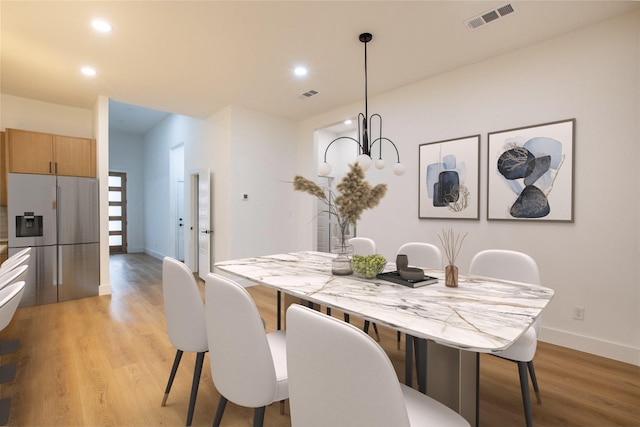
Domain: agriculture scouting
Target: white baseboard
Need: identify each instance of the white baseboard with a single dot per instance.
(104, 289)
(608, 349)
(154, 254)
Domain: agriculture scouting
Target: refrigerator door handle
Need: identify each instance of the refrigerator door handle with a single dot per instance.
(57, 278)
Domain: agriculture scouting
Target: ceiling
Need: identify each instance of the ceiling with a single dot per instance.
(196, 57)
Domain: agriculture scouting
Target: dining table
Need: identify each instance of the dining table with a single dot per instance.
(450, 325)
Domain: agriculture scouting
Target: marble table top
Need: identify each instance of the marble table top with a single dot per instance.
(481, 314)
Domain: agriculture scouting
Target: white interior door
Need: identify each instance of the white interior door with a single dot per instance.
(204, 224)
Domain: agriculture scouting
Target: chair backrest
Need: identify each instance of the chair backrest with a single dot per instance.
(183, 307)
(363, 246)
(338, 375)
(241, 361)
(22, 252)
(17, 274)
(423, 255)
(13, 262)
(10, 297)
(506, 265)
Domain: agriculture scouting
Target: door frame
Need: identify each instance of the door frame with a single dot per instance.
(193, 245)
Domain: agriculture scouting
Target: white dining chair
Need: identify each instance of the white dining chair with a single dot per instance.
(248, 365)
(184, 311)
(10, 297)
(421, 254)
(20, 253)
(424, 255)
(339, 376)
(363, 246)
(517, 267)
(8, 277)
(13, 262)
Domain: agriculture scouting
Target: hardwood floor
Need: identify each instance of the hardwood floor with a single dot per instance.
(104, 361)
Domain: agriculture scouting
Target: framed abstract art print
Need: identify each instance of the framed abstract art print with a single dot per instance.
(449, 179)
(530, 173)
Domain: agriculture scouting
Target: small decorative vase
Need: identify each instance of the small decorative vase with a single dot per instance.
(451, 276)
(341, 264)
(402, 262)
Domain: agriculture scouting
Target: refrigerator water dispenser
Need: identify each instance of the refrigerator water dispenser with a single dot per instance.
(28, 225)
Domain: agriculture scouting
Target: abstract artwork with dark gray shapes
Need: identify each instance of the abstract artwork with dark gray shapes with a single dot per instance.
(530, 173)
(449, 179)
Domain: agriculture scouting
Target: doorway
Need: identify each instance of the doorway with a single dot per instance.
(117, 212)
(201, 247)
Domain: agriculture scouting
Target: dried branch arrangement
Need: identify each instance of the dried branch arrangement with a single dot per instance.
(451, 243)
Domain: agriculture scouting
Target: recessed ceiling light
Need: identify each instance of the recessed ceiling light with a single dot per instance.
(88, 71)
(300, 71)
(100, 25)
(348, 122)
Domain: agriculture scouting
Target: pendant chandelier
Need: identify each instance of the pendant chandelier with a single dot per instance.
(366, 140)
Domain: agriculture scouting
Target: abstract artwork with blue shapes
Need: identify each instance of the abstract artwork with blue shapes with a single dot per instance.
(449, 179)
(531, 173)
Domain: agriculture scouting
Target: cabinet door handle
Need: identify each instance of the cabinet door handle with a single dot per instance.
(49, 167)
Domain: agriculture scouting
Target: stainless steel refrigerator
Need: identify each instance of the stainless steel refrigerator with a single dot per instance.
(58, 218)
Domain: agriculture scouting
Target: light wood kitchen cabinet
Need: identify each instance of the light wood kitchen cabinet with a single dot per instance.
(48, 154)
(74, 156)
(30, 152)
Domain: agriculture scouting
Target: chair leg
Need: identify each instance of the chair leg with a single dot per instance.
(174, 369)
(524, 385)
(534, 381)
(197, 371)
(408, 361)
(5, 405)
(258, 416)
(375, 329)
(7, 373)
(8, 347)
(221, 405)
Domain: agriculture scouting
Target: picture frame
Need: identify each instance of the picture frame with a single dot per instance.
(449, 179)
(530, 173)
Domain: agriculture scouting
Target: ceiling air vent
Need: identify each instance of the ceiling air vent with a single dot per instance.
(308, 94)
(490, 16)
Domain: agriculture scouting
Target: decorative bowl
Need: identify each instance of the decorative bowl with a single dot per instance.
(368, 267)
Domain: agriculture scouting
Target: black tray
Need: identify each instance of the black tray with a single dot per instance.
(394, 276)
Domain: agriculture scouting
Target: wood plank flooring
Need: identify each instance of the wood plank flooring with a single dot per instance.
(104, 361)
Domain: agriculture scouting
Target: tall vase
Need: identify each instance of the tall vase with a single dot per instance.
(341, 264)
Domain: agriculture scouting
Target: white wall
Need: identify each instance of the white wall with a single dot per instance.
(263, 163)
(22, 113)
(173, 131)
(591, 75)
(126, 155)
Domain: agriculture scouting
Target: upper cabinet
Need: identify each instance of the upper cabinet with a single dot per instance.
(48, 154)
(74, 156)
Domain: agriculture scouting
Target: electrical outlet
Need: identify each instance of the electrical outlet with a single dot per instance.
(578, 313)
